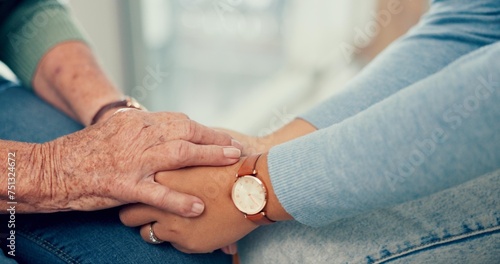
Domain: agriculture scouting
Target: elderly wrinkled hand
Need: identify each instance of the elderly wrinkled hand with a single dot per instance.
(114, 162)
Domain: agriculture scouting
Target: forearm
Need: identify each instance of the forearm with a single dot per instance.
(45, 49)
(26, 177)
(69, 77)
(425, 139)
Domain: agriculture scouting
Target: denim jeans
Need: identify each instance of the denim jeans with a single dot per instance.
(72, 237)
(457, 225)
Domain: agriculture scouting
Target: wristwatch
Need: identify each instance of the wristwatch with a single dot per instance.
(249, 193)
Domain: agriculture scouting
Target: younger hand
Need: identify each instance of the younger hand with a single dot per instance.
(220, 224)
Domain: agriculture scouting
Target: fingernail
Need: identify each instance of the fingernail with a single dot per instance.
(197, 208)
(235, 143)
(232, 153)
(232, 249)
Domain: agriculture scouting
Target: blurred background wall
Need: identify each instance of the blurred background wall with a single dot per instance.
(102, 22)
(248, 65)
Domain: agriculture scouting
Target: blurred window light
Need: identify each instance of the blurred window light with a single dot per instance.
(156, 25)
(237, 63)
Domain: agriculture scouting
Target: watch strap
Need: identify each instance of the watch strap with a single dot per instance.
(248, 166)
(260, 219)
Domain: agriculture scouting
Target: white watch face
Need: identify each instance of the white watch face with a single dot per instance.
(249, 195)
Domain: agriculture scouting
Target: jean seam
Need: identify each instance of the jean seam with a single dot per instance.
(49, 247)
(441, 241)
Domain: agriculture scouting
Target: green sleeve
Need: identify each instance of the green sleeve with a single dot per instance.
(30, 31)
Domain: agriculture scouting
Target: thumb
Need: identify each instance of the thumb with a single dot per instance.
(164, 198)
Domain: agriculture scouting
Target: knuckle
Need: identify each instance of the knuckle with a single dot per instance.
(165, 200)
(181, 152)
(181, 115)
(175, 203)
(184, 151)
(162, 198)
(169, 116)
(161, 129)
(190, 129)
(222, 138)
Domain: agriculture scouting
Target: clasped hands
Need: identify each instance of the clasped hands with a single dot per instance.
(220, 225)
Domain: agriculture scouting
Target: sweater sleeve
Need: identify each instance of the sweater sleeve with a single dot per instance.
(30, 31)
(432, 135)
(451, 29)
